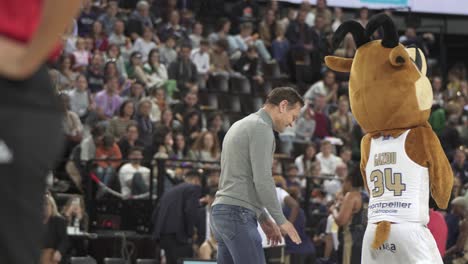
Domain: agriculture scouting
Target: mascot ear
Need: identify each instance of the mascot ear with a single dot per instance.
(338, 64)
(399, 56)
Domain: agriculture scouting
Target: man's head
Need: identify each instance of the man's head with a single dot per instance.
(204, 45)
(191, 99)
(143, 8)
(112, 8)
(459, 205)
(132, 132)
(135, 155)
(185, 51)
(193, 177)
(119, 27)
(198, 28)
(81, 83)
(174, 17)
(319, 22)
(329, 78)
(284, 105)
(341, 170)
(345, 154)
(112, 84)
(292, 171)
(326, 148)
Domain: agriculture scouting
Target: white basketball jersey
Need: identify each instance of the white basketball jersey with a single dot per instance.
(398, 186)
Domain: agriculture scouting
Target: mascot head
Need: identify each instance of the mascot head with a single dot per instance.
(388, 87)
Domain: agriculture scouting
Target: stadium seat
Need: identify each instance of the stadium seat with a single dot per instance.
(83, 260)
(147, 261)
(114, 261)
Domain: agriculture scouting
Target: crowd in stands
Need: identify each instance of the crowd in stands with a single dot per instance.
(141, 80)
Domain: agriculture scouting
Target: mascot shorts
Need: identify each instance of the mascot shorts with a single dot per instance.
(407, 243)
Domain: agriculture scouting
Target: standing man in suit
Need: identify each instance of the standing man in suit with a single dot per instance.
(176, 216)
(31, 118)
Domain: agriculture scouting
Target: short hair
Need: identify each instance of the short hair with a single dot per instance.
(130, 126)
(284, 93)
(142, 4)
(135, 148)
(355, 178)
(325, 142)
(204, 42)
(98, 131)
(246, 25)
(192, 174)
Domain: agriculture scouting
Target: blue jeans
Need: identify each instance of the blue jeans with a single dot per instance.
(235, 229)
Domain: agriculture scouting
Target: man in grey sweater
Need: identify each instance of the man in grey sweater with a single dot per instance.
(246, 187)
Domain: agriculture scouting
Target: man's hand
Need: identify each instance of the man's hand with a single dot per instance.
(288, 229)
(57, 256)
(271, 231)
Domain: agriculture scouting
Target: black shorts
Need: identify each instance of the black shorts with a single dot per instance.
(30, 140)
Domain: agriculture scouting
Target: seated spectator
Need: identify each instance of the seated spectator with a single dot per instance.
(167, 120)
(305, 126)
(111, 71)
(109, 156)
(206, 147)
(201, 58)
(129, 141)
(109, 18)
(189, 104)
(215, 125)
(220, 65)
(145, 44)
(135, 93)
(99, 37)
(267, 28)
(66, 76)
(81, 55)
(118, 38)
(113, 54)
(333, 185)
(158, 103)
(135, 67)
(293, 183)
(173, 28)
(181, 149)
(304, 161)
(197, 35)
(342, 121)
(74, 212)
(163, 144)
(184, 71)
(328, 160)
(322, 122)
(80, 99)
(108, 101)
(250, 66)
(55, 242)
(323, 10)
(86, 19)
(145, 126)
(327, 87)
(118, 125)
(156, 74)
(168, 53)
(141, 16)
(346, 157)
(72, 127)
(95, 74)
(246, 11)
(192, 126)
(456, 253)
(134, 178)
(460, 165)
(280, 49)
(363, 16)
(310, 17)
(337, 18)
(246, 39)
(89, 143)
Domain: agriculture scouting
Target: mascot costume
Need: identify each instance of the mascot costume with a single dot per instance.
(402, 161)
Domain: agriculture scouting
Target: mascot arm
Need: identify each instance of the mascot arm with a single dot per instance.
(365, 150)
(423, 147)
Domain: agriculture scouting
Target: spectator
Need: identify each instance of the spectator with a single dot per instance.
(215, 126)
(437, 119)
(145, 44)
(245, 11)
(460, 165)
(327, 87)
(181, 149)
(206, 147)
(111, 71)
(130, 140)
(118, 38)
(305, 126)
(55, 243)
(197, 35)
(280, 49)
(250, 66)
(304, 161)
(173, 28)
(81, 55)
(141, 16)
(80, 99)
(163, 144)
(455, 253)
(74, 212)
(113, 54)
(89, 143)
(293, 183)
(350, 216)
(158, 104)
(346, 157)
(304, 252)
(201, 58)
(322, 122)
(99, 37)
(66, 76)
(310, 17)
(220, 65)
(184, 71)
(333, 185)
(109, 156)
(72, 127)
(95, 74)
(363, 16)
(190, 104)
(342, 121)
(108, 101)
(134, 178)
(209, 248)
(337, 18)
(328, 160)
(145, 126)
(109, 18)
(176, 217)
(268, 28)
(167, 120)
(86, 19)
(118, 125)
(70, 37)
(438, 228)
(136, 92)
(192, 127)
(322, 10)
(299, 35)
(156, 74)
(246, 39)
(222, 32)
(168, 54)
(135, 67)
